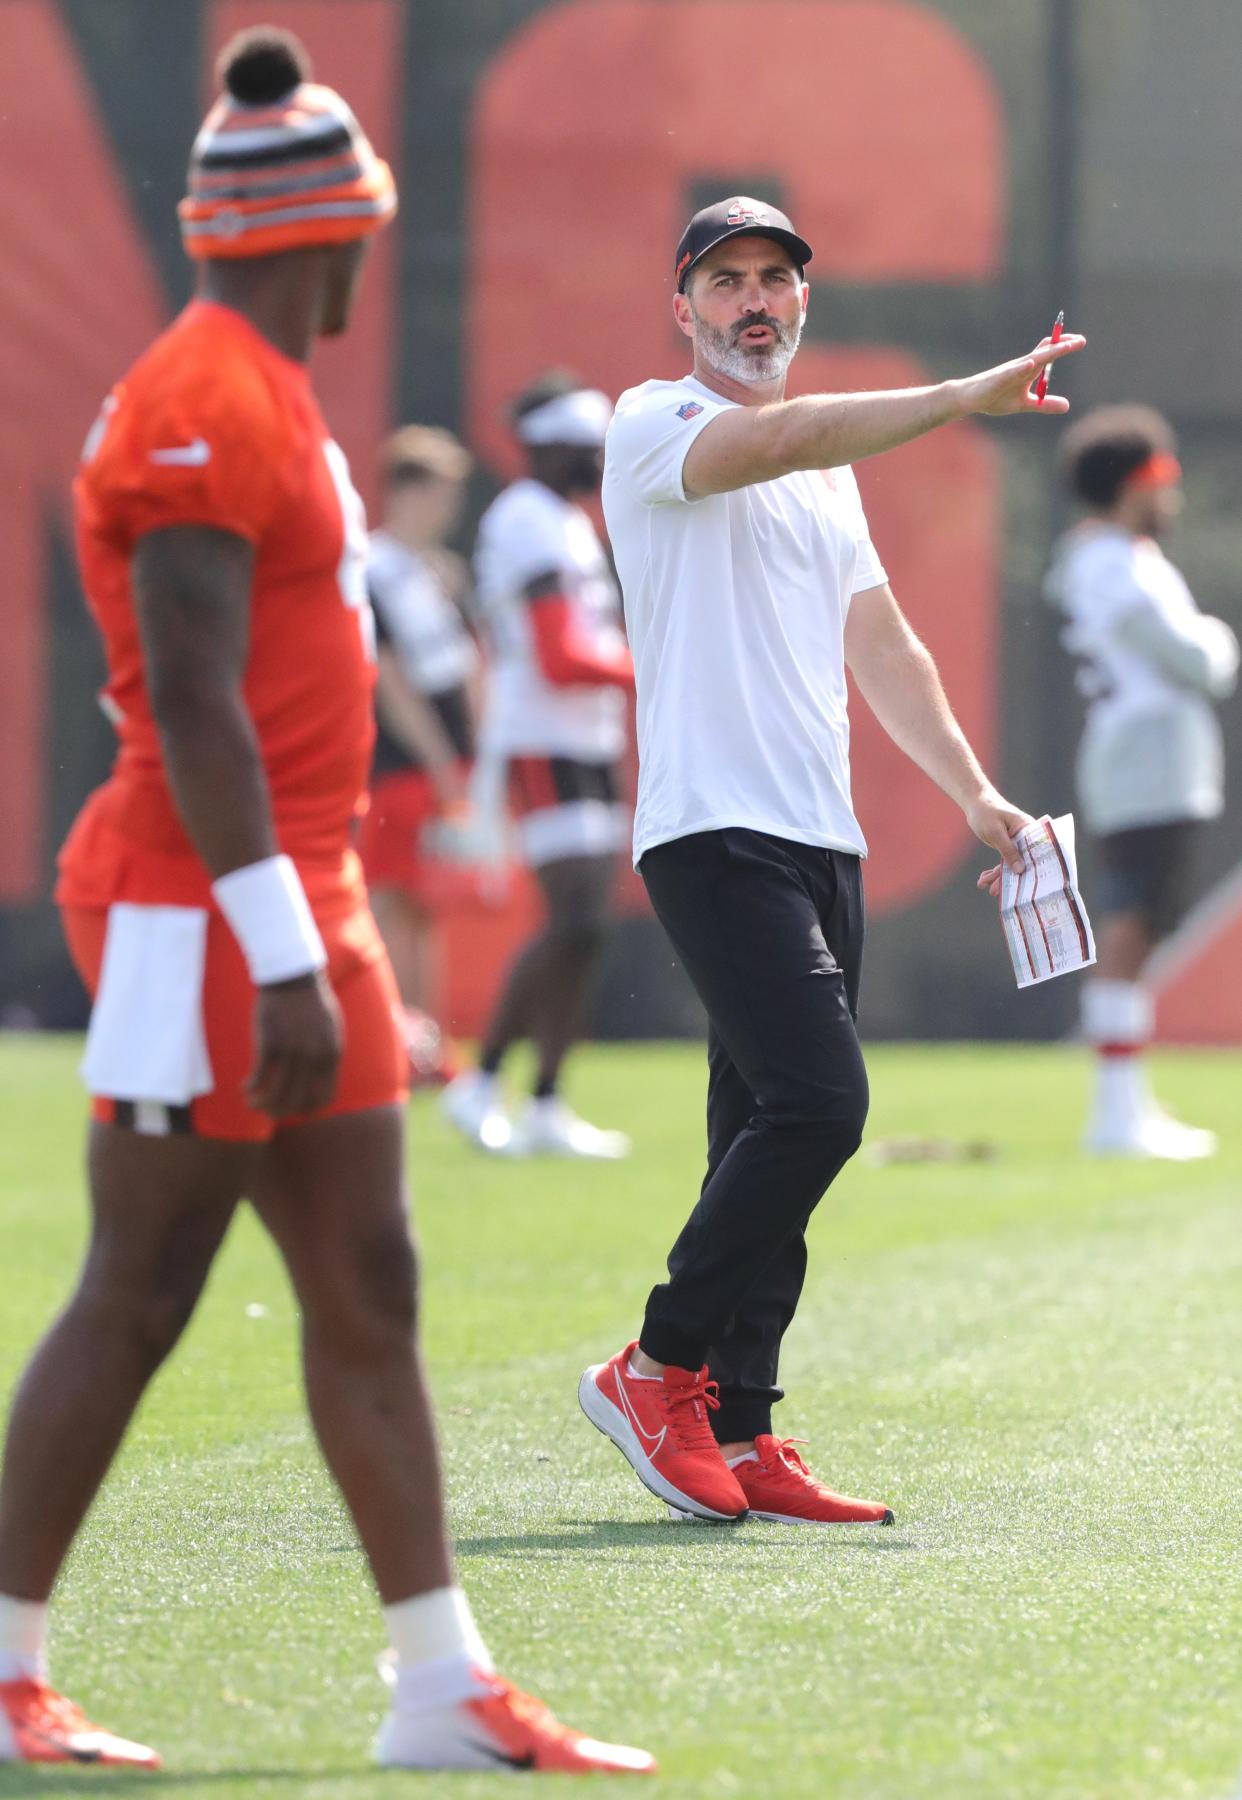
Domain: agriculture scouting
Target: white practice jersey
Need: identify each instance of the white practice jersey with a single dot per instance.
(417, 618)
(735, 606)
(529, 531)
(1150, 666)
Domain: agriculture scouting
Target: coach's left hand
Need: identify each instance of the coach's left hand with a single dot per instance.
(996, 823)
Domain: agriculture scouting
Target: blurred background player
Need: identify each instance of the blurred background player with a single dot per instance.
(1150, 764)
(556, 717)
(426, 695)
(243, 1040)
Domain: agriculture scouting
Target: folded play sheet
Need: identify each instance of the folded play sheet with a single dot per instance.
(1047, 930)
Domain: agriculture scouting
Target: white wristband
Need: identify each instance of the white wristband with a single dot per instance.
(266, 906)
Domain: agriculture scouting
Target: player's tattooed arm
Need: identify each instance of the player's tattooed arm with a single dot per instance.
(192, 599)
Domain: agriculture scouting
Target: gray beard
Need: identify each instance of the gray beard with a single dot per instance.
(741, 364)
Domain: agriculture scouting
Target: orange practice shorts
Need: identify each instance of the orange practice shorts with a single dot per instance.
(390, 844)
(373, 1069)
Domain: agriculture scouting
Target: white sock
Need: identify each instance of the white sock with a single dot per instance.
(1117, 1018)
(1121, 1087)
(1117, 1012)
(23, 1638)
(440, 1682)
(438, 1647)
(635, 1374)
(746, 1456)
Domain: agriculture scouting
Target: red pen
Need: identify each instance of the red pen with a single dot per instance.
(1041, 386)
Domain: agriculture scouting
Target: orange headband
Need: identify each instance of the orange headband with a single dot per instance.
(1161, 469)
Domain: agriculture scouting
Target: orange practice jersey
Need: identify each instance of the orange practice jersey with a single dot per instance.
(214, 426)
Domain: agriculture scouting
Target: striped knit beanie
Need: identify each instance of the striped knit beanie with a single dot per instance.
(280, 162)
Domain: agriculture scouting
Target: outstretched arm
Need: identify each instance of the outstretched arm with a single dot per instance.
(898, 679)
(747, 444)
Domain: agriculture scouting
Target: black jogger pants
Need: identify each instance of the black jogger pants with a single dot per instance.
(770, 932)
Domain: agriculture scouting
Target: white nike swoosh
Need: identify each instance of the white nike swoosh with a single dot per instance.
(646, 1436)
(191, 456)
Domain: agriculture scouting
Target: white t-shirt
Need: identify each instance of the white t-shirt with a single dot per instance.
(418, 618)
(735, 607)
(1150, 662)
(526, 532)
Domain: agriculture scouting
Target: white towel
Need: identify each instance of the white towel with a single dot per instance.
(146, 1039)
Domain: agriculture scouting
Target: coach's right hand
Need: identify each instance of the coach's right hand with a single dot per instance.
(1007, 388)
(298, 1042)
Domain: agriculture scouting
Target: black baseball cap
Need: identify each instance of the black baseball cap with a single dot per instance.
(739, 217)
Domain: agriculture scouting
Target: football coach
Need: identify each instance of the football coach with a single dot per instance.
(751, 584)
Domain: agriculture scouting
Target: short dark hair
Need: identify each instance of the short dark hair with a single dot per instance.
(1100, 451)
(552, 385)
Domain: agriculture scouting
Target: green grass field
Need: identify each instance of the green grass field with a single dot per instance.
(1036, 1361)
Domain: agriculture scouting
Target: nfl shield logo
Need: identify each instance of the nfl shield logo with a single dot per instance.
(689, 410)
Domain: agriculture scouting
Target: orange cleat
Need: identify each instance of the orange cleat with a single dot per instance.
(779, 1486)
(38, 1725)
(663, 1431)
(500, 1727)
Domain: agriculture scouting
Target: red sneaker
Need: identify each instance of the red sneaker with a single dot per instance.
(662, 1430)
(38, 1725)
(781, 1487)
(502, 1728)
